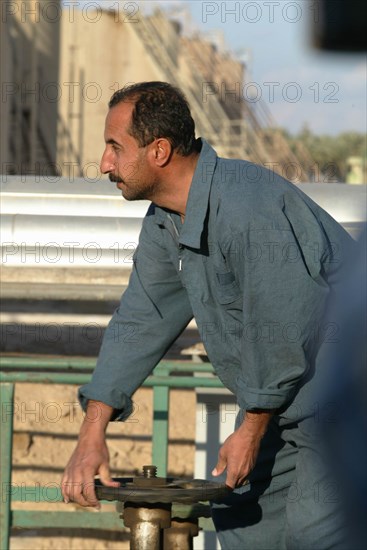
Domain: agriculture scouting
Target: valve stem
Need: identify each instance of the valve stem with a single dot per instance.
(150, 471)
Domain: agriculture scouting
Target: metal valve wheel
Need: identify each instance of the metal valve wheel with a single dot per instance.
(161, 489)
(147, 504)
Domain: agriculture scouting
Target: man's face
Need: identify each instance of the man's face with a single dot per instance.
(125, 162)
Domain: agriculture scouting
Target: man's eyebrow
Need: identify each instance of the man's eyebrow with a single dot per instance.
(111, 142)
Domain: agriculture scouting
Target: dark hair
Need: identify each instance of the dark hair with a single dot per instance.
(160, 110)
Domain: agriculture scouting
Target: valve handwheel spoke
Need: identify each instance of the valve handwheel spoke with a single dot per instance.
(162, 490)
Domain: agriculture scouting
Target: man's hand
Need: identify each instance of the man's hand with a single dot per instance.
(239, 451)
(89, 458)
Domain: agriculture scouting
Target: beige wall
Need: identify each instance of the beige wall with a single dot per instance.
(5, 74)
(218, 69)
(30, 61)
(98, 58)
(76, 60)
(102, 56)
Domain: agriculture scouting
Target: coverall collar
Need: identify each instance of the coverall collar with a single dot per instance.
(198, 200)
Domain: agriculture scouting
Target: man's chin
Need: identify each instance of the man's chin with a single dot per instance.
(126, 195)
(124, 192)
(130, 193)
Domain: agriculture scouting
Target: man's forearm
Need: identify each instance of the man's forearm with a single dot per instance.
(255, 423)
(96, 420)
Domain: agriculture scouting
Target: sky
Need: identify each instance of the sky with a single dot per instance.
(300, 85)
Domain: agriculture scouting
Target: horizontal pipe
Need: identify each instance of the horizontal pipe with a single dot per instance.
(71, 378)
(84, 519)
(40, 519)
(49, 362)
(54, 363)
(53, 495)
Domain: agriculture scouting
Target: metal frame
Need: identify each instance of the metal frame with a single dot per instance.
(168, 374)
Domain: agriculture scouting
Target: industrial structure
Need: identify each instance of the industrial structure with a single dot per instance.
(61, 65)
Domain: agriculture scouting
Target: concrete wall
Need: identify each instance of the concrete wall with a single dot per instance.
(5, 74)
(30, 61)
(97, 58)
(102, 52)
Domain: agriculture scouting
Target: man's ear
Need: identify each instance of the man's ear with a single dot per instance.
(162, 151)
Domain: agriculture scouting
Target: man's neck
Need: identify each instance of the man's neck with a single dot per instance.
(173, 193)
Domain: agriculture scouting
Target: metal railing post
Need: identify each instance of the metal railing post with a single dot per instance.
(7, 408)
(160, 425)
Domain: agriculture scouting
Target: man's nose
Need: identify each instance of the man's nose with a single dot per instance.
(106, 164)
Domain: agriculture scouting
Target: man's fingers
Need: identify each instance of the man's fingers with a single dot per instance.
(78, 483)
(86, 499)
(68, 488)
(220, 467)
(83, 493)
(105, 477)
(231, 481)
(236, 479)
(89, 494)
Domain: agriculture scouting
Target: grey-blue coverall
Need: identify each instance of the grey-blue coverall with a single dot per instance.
(254, 263)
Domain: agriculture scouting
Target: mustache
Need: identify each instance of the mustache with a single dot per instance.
(114, 178)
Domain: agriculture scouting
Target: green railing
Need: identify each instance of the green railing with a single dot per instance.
(168, 374)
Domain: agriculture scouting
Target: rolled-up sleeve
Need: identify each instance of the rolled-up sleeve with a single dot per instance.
(285, 275)
(153, 311)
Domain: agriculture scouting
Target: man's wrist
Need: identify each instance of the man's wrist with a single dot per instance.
(255, 423)
(97, 417)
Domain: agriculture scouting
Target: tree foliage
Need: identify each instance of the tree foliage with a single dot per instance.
(331, 153)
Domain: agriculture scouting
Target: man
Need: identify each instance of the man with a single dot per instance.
(253, 260)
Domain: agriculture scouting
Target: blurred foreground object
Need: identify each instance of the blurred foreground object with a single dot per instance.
(344, 401)
(339, 25)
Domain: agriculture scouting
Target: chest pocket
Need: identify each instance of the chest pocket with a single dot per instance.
(227, 289)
